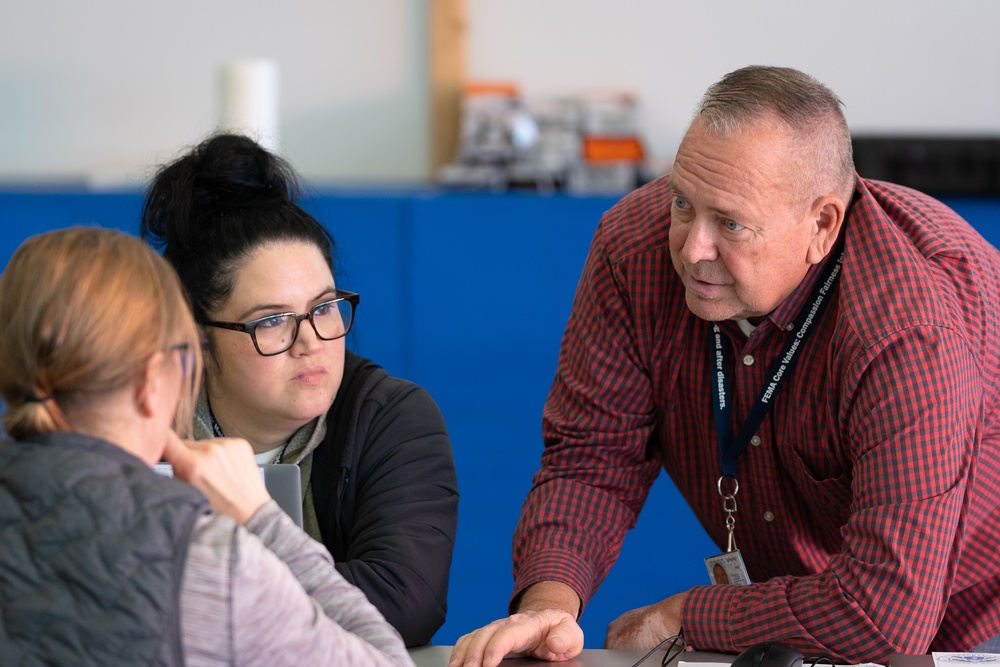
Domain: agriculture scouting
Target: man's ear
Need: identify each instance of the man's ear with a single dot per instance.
(149, 385)
(827, 214)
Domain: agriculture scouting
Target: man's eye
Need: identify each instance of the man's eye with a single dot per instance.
(733, 226)
(680, 202)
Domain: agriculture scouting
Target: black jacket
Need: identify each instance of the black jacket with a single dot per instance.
(386, 496)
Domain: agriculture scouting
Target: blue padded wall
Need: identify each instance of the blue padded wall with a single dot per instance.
(467, 295)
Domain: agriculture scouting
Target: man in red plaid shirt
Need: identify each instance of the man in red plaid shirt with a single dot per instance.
(777, 332)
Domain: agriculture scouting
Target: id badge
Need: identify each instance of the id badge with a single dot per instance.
(727, 568)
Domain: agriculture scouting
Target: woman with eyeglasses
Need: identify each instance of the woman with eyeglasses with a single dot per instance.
(105, 562)
(378, 473)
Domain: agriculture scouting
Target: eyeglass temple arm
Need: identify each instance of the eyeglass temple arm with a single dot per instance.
(235, 326)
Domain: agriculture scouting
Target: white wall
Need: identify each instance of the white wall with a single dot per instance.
(915, 66)
(104, 90)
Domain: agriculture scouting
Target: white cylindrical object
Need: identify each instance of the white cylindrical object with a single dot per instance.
(248, 100)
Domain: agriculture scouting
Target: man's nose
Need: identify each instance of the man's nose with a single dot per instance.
(699, 245)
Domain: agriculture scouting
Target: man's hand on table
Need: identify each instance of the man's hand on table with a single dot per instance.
(643, 628)
(545, 627)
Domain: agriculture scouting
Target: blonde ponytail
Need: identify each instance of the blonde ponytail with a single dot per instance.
(81, 312)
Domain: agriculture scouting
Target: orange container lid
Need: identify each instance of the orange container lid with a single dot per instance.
(612, 149)
(499, 88)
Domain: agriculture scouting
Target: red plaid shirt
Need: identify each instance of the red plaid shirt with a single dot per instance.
(869, 508)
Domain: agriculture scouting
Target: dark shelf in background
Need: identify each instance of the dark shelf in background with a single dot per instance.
(937, 165)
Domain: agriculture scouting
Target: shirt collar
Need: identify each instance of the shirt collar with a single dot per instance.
(784, 315)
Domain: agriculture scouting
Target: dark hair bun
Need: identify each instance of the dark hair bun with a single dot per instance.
(211, 208)
(233, 167)
(222, 173)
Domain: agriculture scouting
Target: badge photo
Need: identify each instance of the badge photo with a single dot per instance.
(727, 568)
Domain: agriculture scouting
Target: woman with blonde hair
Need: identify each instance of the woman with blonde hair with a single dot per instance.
(102, 561)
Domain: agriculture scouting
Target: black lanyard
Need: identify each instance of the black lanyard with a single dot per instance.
(730, 448)
(217, 432)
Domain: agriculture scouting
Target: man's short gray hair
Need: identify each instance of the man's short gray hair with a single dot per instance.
(759, 94)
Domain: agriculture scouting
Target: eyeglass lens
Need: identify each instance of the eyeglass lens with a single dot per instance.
(187, 357)
(330, 320)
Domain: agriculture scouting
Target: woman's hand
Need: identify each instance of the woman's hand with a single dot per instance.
(224, 470)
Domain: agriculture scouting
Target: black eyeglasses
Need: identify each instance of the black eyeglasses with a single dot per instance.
(277, 333)
(674, 649)
(187, 357)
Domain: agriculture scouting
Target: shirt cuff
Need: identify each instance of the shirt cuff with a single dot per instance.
(706, 616)
(566, 567)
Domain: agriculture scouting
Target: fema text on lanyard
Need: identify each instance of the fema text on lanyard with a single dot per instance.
(730, 448)
(801, 334)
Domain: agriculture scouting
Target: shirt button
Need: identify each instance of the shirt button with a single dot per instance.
(755, 441)
(790, 327)
(769, 516)
(748, 360)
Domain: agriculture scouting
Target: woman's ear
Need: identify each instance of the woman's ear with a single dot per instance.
(827, 214)
(150, 385)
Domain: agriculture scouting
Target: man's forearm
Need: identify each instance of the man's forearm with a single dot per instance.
(549, 595)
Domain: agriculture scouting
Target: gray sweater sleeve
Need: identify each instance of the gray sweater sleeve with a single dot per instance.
(270, 595)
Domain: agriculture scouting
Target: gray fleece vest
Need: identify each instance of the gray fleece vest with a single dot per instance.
(92, 552)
